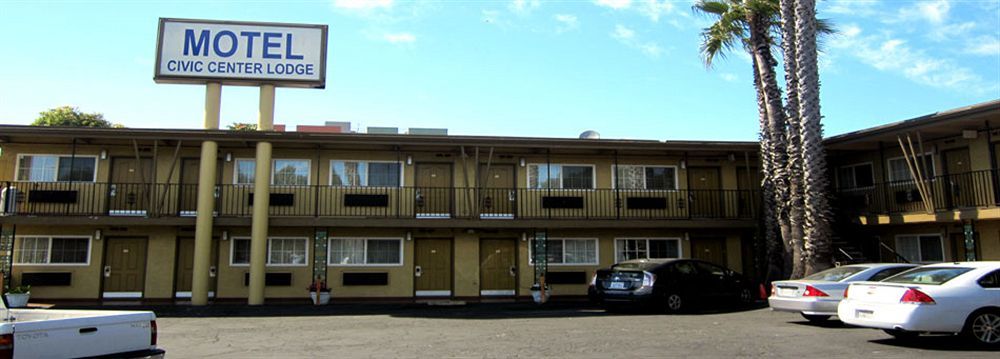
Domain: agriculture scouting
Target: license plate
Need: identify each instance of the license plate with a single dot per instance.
(617, 285)
(786, 292)
(864, 314)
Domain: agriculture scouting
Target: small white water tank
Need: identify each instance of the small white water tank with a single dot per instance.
(590, 135)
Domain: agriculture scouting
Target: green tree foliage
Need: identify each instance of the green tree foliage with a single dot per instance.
(67, 116)
(242, 126)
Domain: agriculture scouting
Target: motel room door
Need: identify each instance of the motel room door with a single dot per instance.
(124, 267)
(705, 192)
(709, 249)
(129, 190)
(434, 190)
(497, 267)
(432, 268)
(960, 185)
(498, 196)
(185, 267)
(187, 201)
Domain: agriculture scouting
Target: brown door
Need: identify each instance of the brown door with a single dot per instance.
(432, 267)
(709, 249)
(434, 191)
(125, 265)
(748, 183)
(497, 269)
(185, 264)
(129, 189)
(705, 192)
(960, 184)
(498, 196)
(188, 194)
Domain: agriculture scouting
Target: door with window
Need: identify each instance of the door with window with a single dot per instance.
(960, 184)
(130, 188)
(497, 268)
(920, 248)
(433, 192)
(185, 267)
(432, 268)
(124, 267)
(498, 196)
(709, 249)
(705, 193)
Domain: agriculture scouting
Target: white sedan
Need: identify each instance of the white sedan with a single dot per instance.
(816, 296)
(955, 298)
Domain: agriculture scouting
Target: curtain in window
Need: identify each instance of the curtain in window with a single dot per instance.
(347, 251)
(37, 169)
(245, 171)
(909, 248)
(579, 251)
(630, 177)
(383, 174)
(33, 250)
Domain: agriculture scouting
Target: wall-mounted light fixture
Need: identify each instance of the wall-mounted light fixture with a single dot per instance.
(97, 235)
(229, 157)
(409, 160)
(687, 236)
(684, 164)
(104, 154)
(225, 235)
(409, 236)
(524, 236)
(732, 157)
(521, 162)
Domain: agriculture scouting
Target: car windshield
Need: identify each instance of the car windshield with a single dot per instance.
(836, 274)
(636, 265)
(933, 275)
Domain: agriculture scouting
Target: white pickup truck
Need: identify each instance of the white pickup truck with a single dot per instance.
(44, 333)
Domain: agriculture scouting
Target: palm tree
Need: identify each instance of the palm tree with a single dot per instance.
(796, 212)
(817, 238)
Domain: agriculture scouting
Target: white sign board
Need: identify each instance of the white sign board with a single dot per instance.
(241, 53)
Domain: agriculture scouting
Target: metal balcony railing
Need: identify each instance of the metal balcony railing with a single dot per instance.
(947, 192)
(162, 200)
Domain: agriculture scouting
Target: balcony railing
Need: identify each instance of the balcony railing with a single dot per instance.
(947, 192)
(164, 200)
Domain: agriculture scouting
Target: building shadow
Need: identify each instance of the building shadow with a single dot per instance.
(950, 343)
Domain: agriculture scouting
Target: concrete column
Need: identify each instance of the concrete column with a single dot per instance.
(261, 199)
(206, 199)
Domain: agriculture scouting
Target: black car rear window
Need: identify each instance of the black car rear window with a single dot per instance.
(933, 275)
(636, 265)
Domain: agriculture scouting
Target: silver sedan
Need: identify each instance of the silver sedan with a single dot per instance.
(816, 297)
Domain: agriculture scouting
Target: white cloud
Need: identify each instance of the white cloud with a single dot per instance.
(654, 9)
(627, 37)
(524, 7)
(893, 55)
(933, 11)
(623, 33)
(861, 8)
(400, 38)
(362, 4)
(614, 4)
(566, 22)
(729, 77)
(984, 45)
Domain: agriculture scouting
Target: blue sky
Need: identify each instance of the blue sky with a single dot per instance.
(628, 69)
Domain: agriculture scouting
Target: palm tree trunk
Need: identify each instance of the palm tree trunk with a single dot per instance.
(817, 239)
(774, 252)
(794, 166)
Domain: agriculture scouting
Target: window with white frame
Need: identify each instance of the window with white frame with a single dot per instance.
(855, 176)
(280, 251)
(52, 250)
(563, 251)
(284, 172)
(365, 251)
(646, 248)
(646, 177)
(899, 170)
(560, 176)
(365, 174)
(53, 168)
(920, 247)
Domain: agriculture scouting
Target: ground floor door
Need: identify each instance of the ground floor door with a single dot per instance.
(124, 267)
(497, 267)
(709, 249)
(185, 267)
(432, 268)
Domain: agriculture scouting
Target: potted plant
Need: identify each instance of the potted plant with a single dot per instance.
(319, 293)
(540, 296)
(17, 296)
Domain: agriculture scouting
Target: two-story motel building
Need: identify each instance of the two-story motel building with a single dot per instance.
(92, 214)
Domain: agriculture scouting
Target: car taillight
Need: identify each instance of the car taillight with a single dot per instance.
(152, 333)
(648, 279)
(845, 291)
(6, 346)
(915, 296)
(813, 292)
(593, 280)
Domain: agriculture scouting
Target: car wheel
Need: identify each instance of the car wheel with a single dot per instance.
(901, 334)
(983, 327)
(674, 303)
(812, 318)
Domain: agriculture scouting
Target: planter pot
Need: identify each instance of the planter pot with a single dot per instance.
(17, 300)
(324, 298)
(536, 294)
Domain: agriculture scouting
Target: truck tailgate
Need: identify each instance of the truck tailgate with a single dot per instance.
(71, 333)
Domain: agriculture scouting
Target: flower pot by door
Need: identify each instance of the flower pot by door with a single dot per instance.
(17, 300)
(324, 298)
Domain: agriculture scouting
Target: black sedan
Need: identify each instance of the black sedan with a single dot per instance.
(673, 285)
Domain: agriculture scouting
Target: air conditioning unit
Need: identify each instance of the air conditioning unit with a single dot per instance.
(8, 200)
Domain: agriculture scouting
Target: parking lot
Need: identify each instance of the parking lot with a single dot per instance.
(520, 330)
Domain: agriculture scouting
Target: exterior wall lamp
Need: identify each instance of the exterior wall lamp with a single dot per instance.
(97, 234)
(409, 160)
(104, 154)
(229, 157)
(409, 236)
(225, 235)
(521, 162)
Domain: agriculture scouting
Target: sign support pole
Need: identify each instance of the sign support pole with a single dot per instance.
(261, 198)
(206, 199)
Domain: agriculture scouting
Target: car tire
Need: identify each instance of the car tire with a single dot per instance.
(983, 327)
(674, 303)
(813, 318)
(901, 334)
